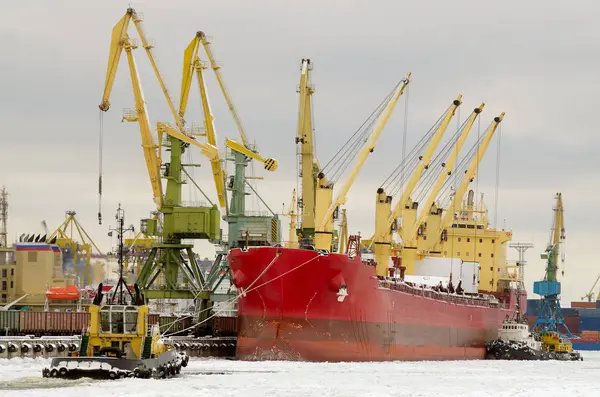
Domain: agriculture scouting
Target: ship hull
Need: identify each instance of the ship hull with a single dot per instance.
(296, 304)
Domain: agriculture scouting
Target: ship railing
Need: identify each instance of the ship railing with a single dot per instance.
(399, 285)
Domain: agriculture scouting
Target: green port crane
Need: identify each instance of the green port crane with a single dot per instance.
(168, 255)
(550, 317)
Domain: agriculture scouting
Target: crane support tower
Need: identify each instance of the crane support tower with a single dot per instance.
(550, 317)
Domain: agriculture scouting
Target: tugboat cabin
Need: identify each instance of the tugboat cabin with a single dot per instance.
(118, 331)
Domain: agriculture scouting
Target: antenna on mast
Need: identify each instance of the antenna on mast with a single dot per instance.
(120, 230)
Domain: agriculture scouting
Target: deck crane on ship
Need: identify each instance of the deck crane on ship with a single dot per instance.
(325, 206)
(431, 235)
(383, 230)
(316, 206)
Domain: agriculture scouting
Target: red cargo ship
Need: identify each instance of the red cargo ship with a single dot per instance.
(300, 304)
(316, 305)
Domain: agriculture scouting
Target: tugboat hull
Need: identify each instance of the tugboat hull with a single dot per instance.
(166, 365)
(513, 350)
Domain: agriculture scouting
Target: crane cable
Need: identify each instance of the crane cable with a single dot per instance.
(398, 178)
(341, 160)
(100, 145)
(462, 166)
(426, 183)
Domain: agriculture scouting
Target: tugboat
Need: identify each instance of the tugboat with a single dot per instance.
(515, 342)
(557, 347)
(119, 343)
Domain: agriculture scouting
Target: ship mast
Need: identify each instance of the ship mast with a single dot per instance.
(120, 230)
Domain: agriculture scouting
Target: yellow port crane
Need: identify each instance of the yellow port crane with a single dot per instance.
(120, 42)
(590, 295)
(179, 222)
(79, 249)
(236, 216)
(191, 63)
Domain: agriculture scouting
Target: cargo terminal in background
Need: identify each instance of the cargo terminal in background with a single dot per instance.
(582, 319)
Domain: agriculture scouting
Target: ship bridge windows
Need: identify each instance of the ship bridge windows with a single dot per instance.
(117, 319)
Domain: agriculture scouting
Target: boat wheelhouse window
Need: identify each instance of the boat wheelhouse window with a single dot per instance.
(131, 316)
(470, 226)
(116, 322)
(479, 226)
(462, 226)
(104, 321)
(118, 319)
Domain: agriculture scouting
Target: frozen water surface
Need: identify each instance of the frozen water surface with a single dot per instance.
(220, 378)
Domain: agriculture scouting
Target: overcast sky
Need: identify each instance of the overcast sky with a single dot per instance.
(535, 60)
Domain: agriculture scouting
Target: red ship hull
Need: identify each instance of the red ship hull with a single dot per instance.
(291, 308)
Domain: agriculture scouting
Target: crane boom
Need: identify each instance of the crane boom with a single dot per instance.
(210, 151)
(424, 163)
(364, 153)
(137, 21)
(191, 62)
(557, 237)
(120, 41)
(305, 139)
(470, 174)
(447, 169)
(119, 33)
(217, 69)
(269, 163)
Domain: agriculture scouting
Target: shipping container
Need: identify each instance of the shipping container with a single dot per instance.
(9, 322)
(32, 321)
(589, 334)
(572, 323)
(533, 307)
(153, 319)
(585, 305)
(589, 312)
(225, 326)
(586, 345)
(58, 322)
(567, 311)
(186, 324)
(169, 324)
(589, 323)
(79, 322)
